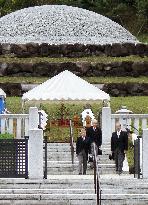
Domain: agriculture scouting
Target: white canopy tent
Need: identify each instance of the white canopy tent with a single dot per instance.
(65, 86)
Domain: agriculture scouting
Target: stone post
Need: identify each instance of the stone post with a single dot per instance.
(35, 150)
(33, 118)
(36, 154)
(106, 125)
(145, 153)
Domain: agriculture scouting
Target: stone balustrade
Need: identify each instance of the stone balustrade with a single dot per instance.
(16, 124)
(134, 122)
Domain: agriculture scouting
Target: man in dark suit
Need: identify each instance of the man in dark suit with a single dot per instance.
(119, 144)
(82, 151)
(95, 136)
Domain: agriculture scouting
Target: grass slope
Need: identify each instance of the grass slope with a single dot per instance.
(138, 104)
(95, 80)
(95, 59)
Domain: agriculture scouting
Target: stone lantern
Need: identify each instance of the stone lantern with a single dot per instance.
(124, 119)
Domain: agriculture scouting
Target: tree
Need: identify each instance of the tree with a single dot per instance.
(142, 15)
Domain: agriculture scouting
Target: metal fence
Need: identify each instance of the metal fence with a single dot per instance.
(137, 169)
(71, 143)
(45, 156)
(96, 176)
(14, 158)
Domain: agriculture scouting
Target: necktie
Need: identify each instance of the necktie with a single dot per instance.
(118, 133)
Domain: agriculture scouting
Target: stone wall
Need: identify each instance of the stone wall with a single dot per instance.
(126, 89)
(12, 89)
(113, 89)
(76, 50)
(86, 69)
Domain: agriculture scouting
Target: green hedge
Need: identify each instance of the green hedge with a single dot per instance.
(130, 157)
(6, 136)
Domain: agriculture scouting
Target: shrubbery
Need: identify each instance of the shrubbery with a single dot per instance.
(6, 136)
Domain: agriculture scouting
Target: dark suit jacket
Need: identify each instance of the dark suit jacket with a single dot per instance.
(94, 136)
(82, 144)
(121, 143)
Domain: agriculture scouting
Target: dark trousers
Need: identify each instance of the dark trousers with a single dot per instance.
(119, 158)
(82, 158)
(93, 147)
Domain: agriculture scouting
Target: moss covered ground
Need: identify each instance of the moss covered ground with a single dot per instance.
(96, 59)
(95, 80)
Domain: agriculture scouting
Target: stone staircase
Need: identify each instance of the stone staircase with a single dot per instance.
(56, 190)
(65, 187)
(105, 165)
(62, 187)
(116, 190)
(123, 190)
(120, 190)
(59, 160)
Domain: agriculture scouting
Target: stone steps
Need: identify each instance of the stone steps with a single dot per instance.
(49, 202)
(66, 170)
(54, 190)
(38, 191)
(100, 161)
(46, 196)
(65, 187)
(59, 160)
(124, 202)
(123, 189)
(116, 190)
(55, 167)
(122, 196)
(62, 159)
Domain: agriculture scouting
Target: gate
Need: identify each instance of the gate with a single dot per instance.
(137, 158)
(14, 158)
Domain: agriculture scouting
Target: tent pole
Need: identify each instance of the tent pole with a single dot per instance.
(23, 106)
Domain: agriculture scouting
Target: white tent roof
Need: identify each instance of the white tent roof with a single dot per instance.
(65, 86)
(2, 93)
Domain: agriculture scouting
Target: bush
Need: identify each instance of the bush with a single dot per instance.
(6, 136)
(130, 157)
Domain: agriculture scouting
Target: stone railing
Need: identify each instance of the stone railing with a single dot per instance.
(16, 124)
(134, 122)
(138, 123)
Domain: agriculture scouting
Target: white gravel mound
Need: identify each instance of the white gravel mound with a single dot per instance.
(60, 24)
